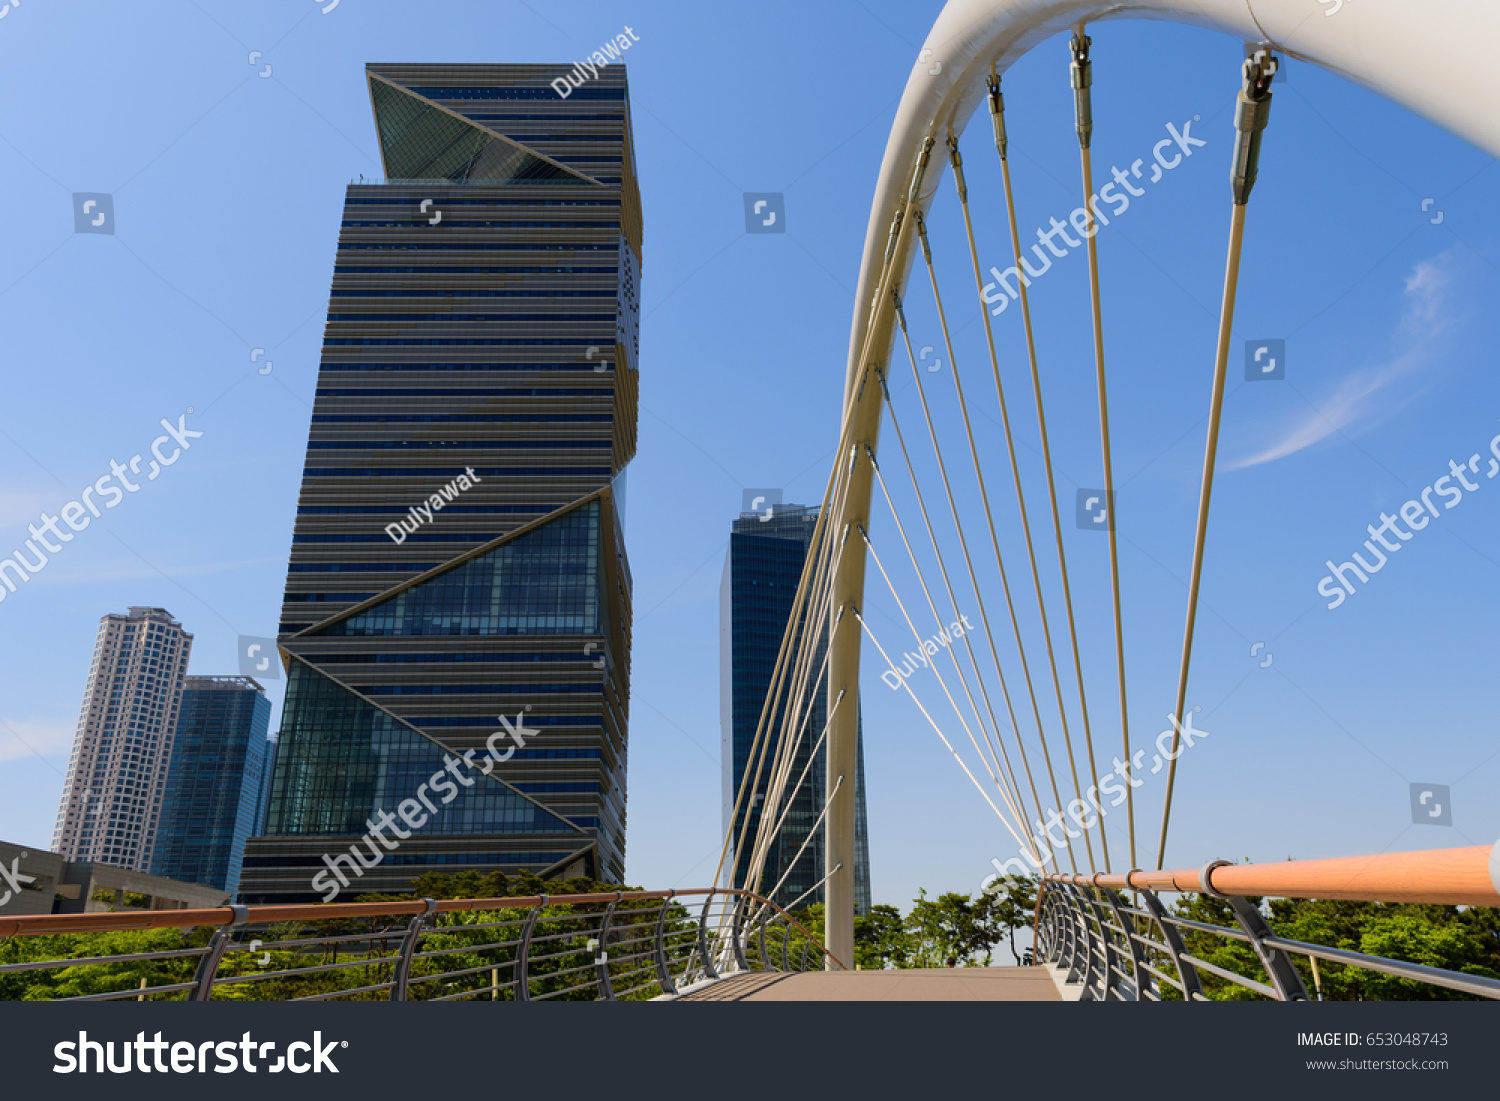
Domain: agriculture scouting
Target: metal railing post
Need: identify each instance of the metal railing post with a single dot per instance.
(523, 952)
(1069, 956)
(1107, 943)
(765, 956)
(709, 970)
(786, 941)
(408, 946)
(601, 961)
(1144, 983)
(663, 969)
(1067, 932)
(1046, 932)
(208, 963)
(1192, 987)
(739, 935)
(1090, 951)
(1284, 976)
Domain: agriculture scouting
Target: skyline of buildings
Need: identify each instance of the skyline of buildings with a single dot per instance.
(763, 566)
(502, 594)
(167, 775)
(458, 572)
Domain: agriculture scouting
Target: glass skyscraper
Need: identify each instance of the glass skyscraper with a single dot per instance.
(215, 782)
(112, 796)
(458, 555)
(764, 565)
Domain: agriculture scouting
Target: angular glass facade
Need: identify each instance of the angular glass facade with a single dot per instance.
(458, 552)
(545, 582)
(761, 574)
(215, 782)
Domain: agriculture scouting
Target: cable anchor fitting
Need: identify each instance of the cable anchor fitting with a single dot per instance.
(922, 233)
(956, 159)
(997, 114)
(1251, 114)
(890, 245)
(1081, 70)
(900, 314)
(916, 180)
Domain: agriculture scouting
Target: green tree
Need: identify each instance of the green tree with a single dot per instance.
(1466, 941)
(880, 939)
(952, 930)
(1011, 906)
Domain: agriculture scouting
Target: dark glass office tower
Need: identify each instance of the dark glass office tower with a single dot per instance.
(215, 782)
(458, 553)
(766, 554)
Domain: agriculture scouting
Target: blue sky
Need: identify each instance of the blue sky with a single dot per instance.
(227, 188)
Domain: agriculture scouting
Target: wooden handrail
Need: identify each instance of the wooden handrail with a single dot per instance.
(1468, 876)
(35, 925)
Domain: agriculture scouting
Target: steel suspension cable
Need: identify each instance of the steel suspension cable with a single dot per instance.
(888, 274)
(1011, 805)
(812, 756)
(1252, 112)
(994, 536)
(1006, 771)
(790, 906)
(963, 543)
(769, 707)
(811, 833)
(787, 746)
(1081, 71)
(786, 754)
(812, 628)
(948, 583)
(1015, 467)
(939, 731)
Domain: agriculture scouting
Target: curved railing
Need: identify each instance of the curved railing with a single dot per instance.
(1114, 949)
(606, 946)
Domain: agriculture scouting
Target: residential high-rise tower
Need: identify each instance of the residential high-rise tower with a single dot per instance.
(112, 796)
(458, 554)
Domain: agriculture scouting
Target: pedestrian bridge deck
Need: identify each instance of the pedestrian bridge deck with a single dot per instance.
(958, 984)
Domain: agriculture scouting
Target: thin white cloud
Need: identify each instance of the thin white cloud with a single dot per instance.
(1363, 398)
(21, 507)
(43, 738)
